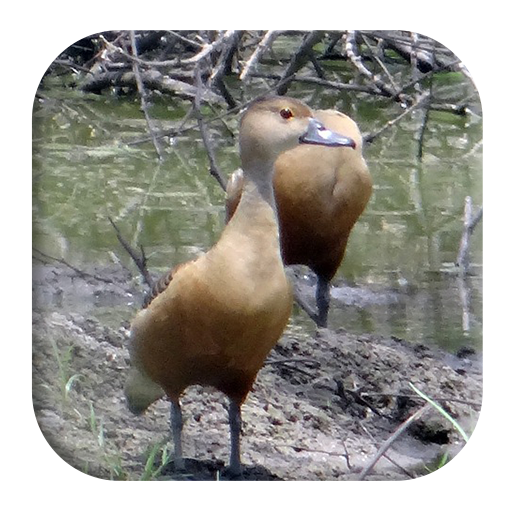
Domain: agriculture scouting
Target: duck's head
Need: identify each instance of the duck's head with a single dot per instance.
(276, 124)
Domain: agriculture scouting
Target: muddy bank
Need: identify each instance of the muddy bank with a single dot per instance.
(320, 408)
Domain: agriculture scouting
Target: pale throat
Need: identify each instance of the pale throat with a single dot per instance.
(258, 175)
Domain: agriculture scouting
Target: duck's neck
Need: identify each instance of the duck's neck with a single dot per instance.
(252, 234)
(257, 209)
(258, 191)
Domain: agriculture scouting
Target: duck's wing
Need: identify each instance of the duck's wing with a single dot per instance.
(234, 190)
(162, 284)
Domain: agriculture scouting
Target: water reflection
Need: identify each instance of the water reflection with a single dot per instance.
(398, 277)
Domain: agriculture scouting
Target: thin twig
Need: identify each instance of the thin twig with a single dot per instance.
(378, 60)
(352, 54)
(426, 115)
(299, 58)
(330, 84)
(346, 456)
(262, 47)
(313, 450)
(470, 222)
(209, 48)
(423, 43)
(143, 103)
(370, 137)
(135, 58)
(385, 455)
(223, 66)
(438, 398)
(292, 360)
(81, 273)
(387, 444)
(476, 219)
(426, 76)
(174, 132)
(185, 39)
(214, 170)
(69, 63)
(226, 56)
(140, 261)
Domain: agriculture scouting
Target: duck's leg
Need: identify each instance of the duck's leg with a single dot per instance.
(176, 426)
(323, 299)
(235, 426)
(323, 296)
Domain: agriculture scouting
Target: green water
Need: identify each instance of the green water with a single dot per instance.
(401, 255)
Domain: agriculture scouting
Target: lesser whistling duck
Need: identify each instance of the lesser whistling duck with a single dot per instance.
(214, 320)
(320, 193)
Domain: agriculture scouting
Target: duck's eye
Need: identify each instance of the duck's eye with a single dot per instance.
(286, 113)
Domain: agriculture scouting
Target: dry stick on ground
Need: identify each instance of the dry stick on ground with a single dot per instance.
(345, 455)
(386, 456)
(214, 169)
(396, 434)
(81, 273)
(140, 261)
(143, 103)
(436, 398)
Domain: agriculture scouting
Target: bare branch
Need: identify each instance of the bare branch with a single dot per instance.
(377, 59)
(222, 67)
(214, 170)
(143, 98)
(134, 57)
(354, 57)
(209, 48)
(421, 100)
(140, 261)
(262, 47)
(299, 58)
(470, 223)
(81, 273)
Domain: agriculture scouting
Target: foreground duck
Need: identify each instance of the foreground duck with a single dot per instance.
(214, 320)
(320, 193)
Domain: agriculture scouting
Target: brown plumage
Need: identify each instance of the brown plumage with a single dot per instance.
(214, 320)
(320, 193)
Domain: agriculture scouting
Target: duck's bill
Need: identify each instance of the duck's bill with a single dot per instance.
(317, 133)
